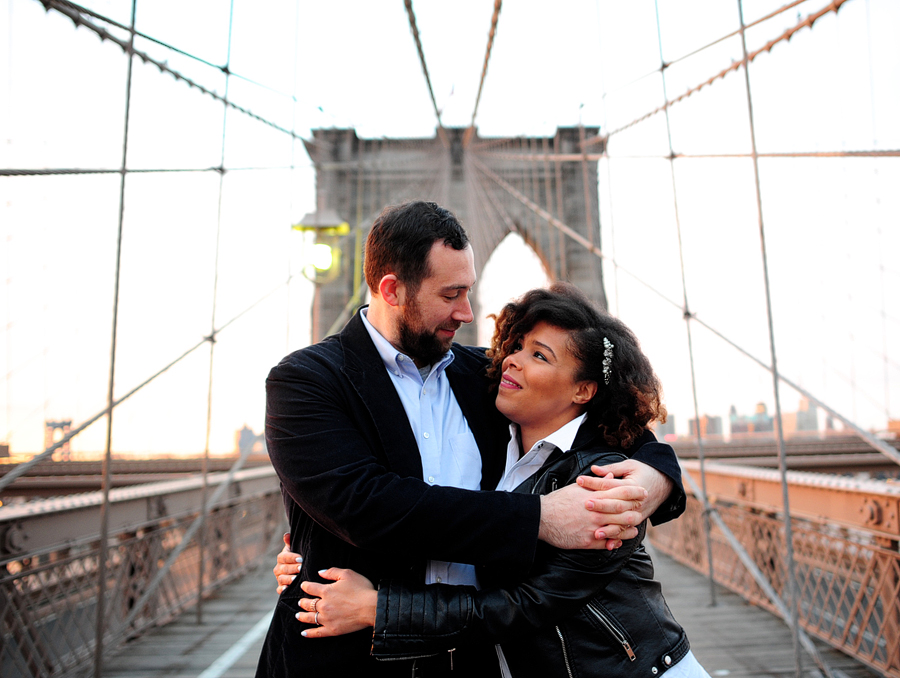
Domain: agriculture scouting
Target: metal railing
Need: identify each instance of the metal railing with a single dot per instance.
(48, 597)
(847, 572)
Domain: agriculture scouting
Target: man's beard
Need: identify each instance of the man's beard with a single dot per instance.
(422, 345)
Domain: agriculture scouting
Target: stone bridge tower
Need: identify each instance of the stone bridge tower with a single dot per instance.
(494, 186)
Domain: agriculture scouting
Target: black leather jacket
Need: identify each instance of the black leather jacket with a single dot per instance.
(577, 613)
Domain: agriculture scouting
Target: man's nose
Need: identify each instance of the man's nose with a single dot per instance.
(463, 311)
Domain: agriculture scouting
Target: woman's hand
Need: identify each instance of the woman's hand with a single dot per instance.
(347, 605)
(287, 566)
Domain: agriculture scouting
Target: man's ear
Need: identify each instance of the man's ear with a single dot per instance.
(584, 391)
(392, 290)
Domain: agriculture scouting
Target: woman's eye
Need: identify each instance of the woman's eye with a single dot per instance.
(540, 356)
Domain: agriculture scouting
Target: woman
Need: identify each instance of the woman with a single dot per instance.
(580, 393)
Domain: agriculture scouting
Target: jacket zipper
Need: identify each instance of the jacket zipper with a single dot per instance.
(418, 656)
(562, 641)
(554, 484)
(617, 634)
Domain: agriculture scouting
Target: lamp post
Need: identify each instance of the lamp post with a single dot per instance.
(325, 258)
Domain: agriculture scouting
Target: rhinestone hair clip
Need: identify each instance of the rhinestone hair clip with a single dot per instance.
(608, 347)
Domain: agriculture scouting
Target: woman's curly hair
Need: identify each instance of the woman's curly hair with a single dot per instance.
(632, 399)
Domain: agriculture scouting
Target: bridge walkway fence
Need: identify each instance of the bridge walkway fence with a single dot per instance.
(732, 638)
(49, 590)
(845, 541)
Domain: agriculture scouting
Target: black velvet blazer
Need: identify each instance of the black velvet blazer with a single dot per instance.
(351, 478)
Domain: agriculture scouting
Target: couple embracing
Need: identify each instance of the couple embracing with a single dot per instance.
(467, 512)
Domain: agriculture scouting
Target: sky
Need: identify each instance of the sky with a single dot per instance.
(832, 225)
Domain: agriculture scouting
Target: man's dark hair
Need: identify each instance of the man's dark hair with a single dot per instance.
(401, 238)
(629, 395)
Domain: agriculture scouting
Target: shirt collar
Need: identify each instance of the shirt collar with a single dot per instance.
(393, 359)
(562, 438)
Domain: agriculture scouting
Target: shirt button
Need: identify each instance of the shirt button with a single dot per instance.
(425, 434)
(439, 580)
(430, 479)
(654, 670)
(668, 660)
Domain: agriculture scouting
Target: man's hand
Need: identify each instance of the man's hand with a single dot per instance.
(594, 516)
(658, 485)
(287, 566)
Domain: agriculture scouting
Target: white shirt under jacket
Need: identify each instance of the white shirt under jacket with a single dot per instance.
(447, 445)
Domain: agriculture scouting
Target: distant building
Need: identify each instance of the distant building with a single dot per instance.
(709, 426)
(4, 449)
(806, 418)
(64, 452)
(246, 438)
(894, 427)
(758, 422)
(663, 431)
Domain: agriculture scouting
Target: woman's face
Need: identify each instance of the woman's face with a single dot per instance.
(538, 390)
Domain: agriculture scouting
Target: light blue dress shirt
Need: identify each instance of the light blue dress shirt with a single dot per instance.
(447, 445)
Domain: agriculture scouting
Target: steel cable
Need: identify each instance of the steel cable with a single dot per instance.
(112, 22)
(487, 58)
(787, 35)
(415, 31)
(22, 468)
(79, 20)
(874, 442)
(683, 57)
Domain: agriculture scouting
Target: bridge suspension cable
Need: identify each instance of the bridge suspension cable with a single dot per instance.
(73, 12)
(225, 69)
(415, 32)
(23, 468)
(487, 57)
(748, 58)
(875, 442)
(666, 64)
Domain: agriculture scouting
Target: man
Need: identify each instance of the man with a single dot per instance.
(381, 434)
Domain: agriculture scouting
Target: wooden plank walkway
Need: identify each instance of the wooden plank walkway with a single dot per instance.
(733, 639)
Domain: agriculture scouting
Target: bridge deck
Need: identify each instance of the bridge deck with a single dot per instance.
(732, 639)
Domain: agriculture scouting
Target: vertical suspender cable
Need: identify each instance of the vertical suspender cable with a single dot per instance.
(290, 276)
(782, 461)
(588, 201)
(881, 249)
(204, 508)
(612, 214)
(687, 322)
(548, 191)
(107, 457)
(357, 242)
(560, 208)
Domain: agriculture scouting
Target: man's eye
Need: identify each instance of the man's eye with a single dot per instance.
(449, 298)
